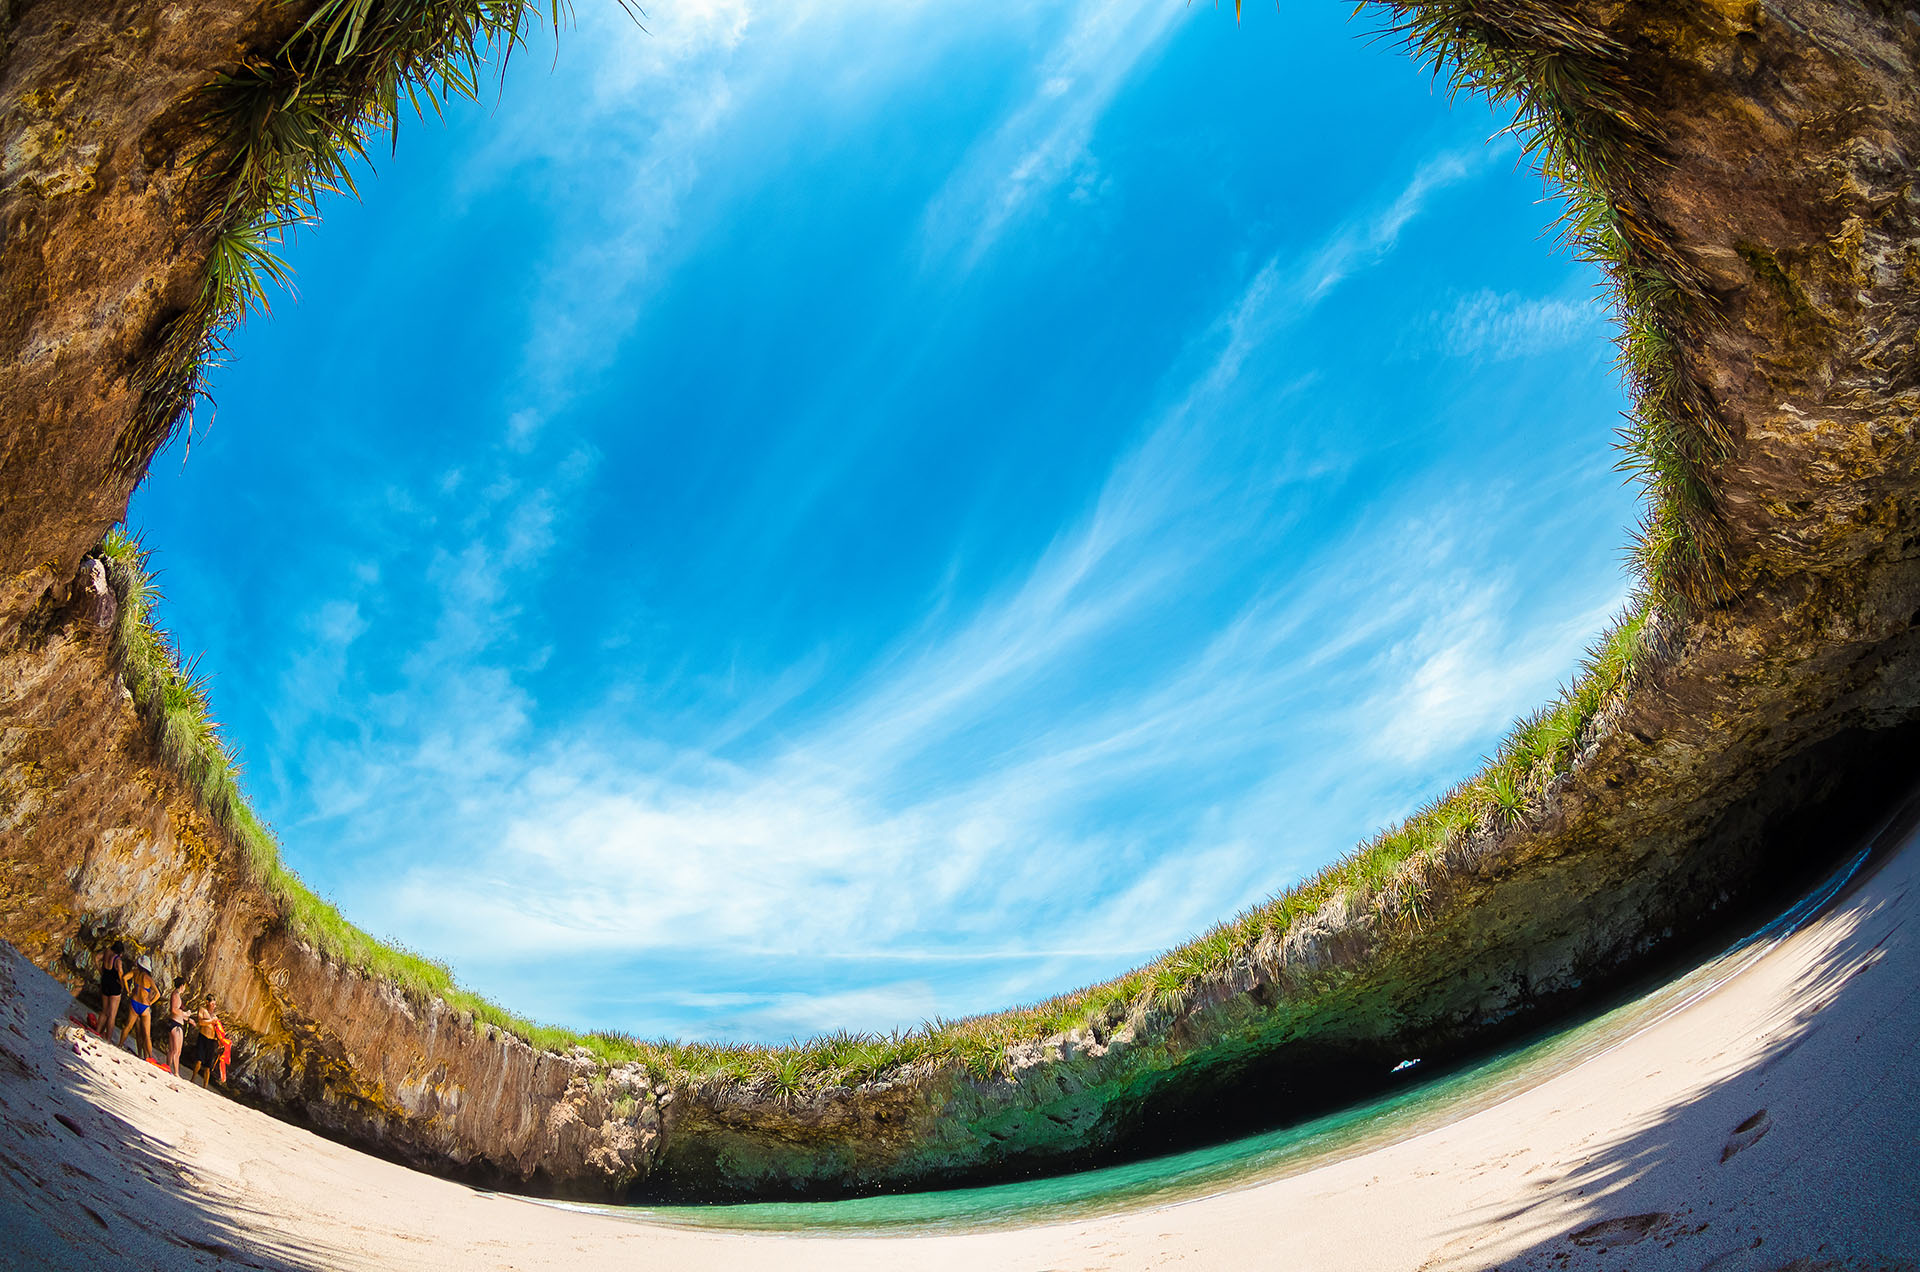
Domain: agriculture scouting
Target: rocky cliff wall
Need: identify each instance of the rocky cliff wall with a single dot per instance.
(1779, 184)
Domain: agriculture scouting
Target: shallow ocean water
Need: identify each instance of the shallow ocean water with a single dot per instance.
(1412, 1111)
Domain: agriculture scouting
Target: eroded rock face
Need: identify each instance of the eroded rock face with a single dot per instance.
(1784, 182)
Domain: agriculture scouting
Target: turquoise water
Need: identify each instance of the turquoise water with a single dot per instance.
(1178, 1177)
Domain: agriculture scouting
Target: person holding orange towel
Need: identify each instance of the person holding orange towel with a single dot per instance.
(207, 1043)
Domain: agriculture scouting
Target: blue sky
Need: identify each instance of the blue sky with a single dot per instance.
(829, 515)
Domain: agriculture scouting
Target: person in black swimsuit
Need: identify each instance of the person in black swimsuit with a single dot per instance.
(176, 1023)
(112, 987)
(206, 1053)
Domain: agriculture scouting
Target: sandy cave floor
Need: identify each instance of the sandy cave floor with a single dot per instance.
(1772, 1123)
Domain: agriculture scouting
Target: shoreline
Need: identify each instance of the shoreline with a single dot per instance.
(1483, 1089)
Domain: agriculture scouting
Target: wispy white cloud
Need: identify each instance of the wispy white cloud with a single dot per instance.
(1460, 673)
(656, 119)
(1366, 242)
(644, 109)
(1499, 326)
(974, 791)
(1043, 143)
(791, 1015)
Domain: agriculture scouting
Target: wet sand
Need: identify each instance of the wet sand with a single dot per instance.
(1772, 1122)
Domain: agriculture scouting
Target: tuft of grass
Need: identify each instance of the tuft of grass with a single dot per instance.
(172, 698)
(289, 125)
(1591, 131)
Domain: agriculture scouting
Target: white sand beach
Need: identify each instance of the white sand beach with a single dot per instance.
(1770, 1123)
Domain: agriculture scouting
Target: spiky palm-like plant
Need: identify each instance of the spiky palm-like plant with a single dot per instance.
(289, 125)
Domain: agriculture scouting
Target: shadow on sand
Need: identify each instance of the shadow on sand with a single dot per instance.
(1798, 1156)
(80, 1186)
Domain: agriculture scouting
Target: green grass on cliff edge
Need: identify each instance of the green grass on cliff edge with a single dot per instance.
(290, 123)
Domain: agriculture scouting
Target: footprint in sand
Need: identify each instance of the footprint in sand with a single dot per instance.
(1609, 1233)
(1746, 1135)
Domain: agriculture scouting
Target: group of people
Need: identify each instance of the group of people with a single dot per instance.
(195, 1037)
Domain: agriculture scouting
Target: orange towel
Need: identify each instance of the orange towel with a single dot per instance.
(226, 1049)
